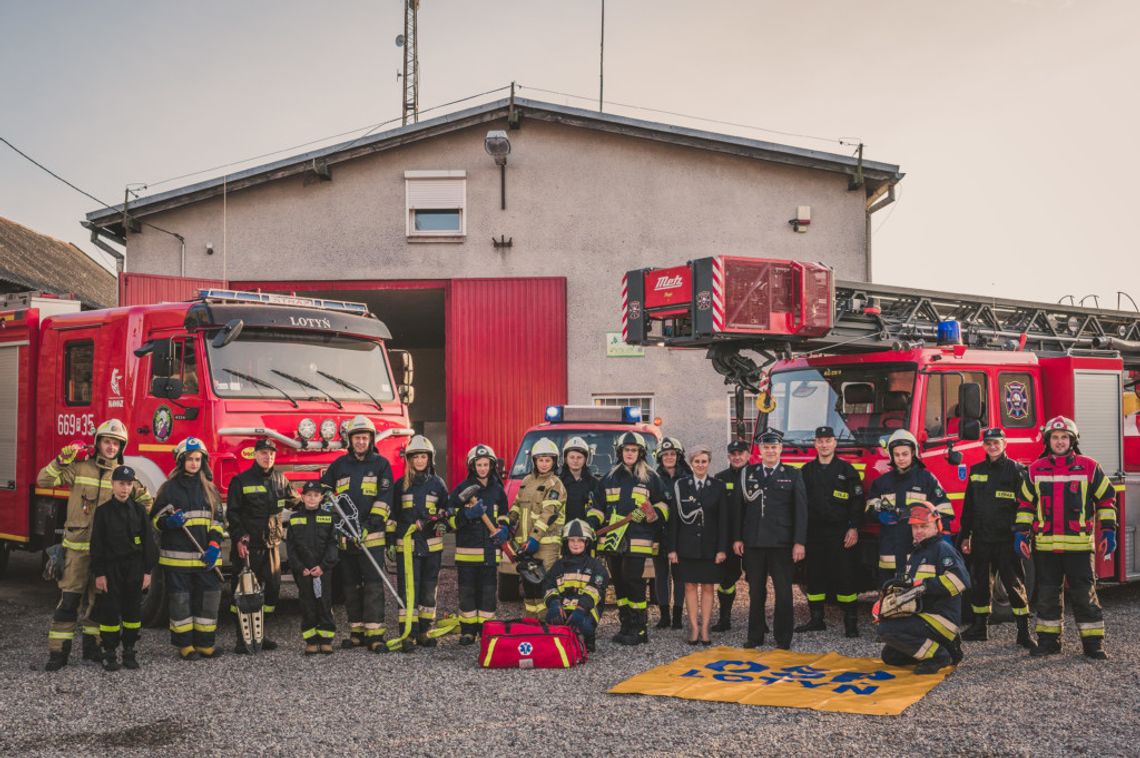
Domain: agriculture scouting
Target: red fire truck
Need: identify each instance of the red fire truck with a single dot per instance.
(867, 359)
(229, 367)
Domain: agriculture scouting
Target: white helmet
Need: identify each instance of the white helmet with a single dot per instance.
(114, 429)
(190, 445)
(544, 446)
(579, 444)
(480, 451)
(902, 437)
(419, 444)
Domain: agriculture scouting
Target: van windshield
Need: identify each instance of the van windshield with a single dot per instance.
(862, 403)
(601, 442)
(311, 356)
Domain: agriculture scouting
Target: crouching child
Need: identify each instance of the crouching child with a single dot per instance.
(312, 545)
(575, 586)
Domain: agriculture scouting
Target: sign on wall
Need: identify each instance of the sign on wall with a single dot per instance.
(616, 347)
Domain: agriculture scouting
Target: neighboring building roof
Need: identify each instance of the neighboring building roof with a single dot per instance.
(33, 261)
(876, 175)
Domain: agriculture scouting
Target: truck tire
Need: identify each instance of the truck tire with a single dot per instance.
(154, 611)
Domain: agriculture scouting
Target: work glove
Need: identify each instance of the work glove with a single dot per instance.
(374, 524)
(440, 528)
(67, 454)
(175, 520)
(210, 557)
(1021, 543)
(391, 550)
(501, 536)
(1108, 544)
(530, 548)
(888, 518)
(475, 512)
(243, 547)
(577, 619)
(637, 515)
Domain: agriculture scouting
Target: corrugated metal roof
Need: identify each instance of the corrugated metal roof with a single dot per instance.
(33, 261)
(875, 173)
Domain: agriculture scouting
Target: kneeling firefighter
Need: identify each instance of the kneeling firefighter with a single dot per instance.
(575, 586)
(537, 515)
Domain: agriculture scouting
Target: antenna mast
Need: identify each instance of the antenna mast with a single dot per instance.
(409, 41)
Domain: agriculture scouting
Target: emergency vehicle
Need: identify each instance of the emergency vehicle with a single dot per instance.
(868, 359)
(229, 368)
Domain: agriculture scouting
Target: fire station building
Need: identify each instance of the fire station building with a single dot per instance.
(492, 241)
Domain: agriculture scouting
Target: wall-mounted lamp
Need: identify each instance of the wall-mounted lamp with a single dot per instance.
(498, 146)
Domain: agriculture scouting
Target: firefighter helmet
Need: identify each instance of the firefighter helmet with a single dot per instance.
(671, 444)
(579, 444)
(630, 438)
(360, 424)
(1061, 424)
(190, 445)
(480, 451)
(902, 437)
(577, 528)
(419, 444)
(114, 429)
(544, 446)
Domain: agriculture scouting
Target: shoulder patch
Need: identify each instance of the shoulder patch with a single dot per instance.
(947, 561)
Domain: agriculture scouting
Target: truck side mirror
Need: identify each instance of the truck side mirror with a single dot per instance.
(407, 366)
(162, 358)
(169, 387)
(228, 334)
(970, 401)
(970, 429)
(407, 394)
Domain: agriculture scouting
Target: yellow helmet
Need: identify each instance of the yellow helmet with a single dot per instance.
(114, 429)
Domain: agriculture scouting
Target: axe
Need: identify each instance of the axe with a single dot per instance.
(646, 508)
(189, 535)
(527, 567)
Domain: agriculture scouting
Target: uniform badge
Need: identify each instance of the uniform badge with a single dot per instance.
(947, 561)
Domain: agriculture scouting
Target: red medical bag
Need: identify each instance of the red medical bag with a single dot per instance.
(527, 643)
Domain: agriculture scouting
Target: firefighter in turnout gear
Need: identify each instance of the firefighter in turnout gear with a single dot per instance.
(89, 482)
(122, 555)
(835, 509)
(312, 544)
(671, 466)
(632, 489)
(537, 515)
(1066, 496)
(187, 512)
(891, 496)
(476, 545)
(253, 510)
(365, 477)
(583, 498)
(731, 570)
(420, 516)
(988, 514)
(928, 637)
(770, 537)
(575, 586)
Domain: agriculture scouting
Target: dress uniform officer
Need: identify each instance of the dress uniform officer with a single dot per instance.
(771, 536)
(835, 509)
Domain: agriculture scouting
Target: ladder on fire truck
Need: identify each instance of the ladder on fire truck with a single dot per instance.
(780, 308)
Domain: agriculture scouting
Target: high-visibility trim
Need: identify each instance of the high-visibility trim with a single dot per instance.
(641, 546)
(813, 598)
(952, 583)
(465, 615)
(91, 630)
(486, 615)
(1023, 517)
(1106, 514)
(927, 650)
(82, 547)
(469, 555)
(726, 590)
(979, 477)
(1024, 611)
(54, 635)
(622, 601)
(847, 598)
(253, 488)
(205, 625)
(308, 633)
(109, 628)
(1100, 491)
(206, 522)
(490, 652)
(638, 605)
(1091, 629)
(940, 624)
(840, 495)
(152, 448)
(327, 634)
(1048, 627)
(887, 562)
(91, 481)
(562, 653)
(1065, 543)
(981, 609)
(267, 608)
(132, 625)
(184, 625)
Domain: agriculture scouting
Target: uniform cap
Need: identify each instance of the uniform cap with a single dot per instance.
(824, 431)
(265, 444)
(771, 437)
(995, 433)
(738, 446)
(123, 474)
(311, 486)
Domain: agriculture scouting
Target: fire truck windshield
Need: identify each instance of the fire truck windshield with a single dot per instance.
(267, 355)
(861, 402)
(601, 442)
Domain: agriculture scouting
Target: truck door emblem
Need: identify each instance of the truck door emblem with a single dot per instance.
(1016, 400)
(162, 423)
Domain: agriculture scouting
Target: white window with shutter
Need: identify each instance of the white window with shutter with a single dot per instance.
(436, 204)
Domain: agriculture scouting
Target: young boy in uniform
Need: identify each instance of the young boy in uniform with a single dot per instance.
(312, 554)
(123, 552)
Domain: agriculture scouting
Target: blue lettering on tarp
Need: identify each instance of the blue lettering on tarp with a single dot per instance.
(855, 690)
(854, 676)
(737, 667)
(806, 676)
(732, 678)
(800, 672)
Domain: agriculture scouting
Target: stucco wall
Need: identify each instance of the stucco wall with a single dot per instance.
(580, 204)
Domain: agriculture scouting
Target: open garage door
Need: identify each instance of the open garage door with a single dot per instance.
(506, 361)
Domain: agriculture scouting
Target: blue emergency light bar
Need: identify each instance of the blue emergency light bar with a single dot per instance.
(593, 414)
(267, 298)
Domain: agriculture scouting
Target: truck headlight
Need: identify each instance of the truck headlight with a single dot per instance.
(306, 429)
(328, 430)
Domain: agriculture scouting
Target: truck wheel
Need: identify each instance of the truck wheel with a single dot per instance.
(154, 611)
(510, 589)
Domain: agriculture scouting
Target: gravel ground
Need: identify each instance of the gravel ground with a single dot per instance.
(435, 700)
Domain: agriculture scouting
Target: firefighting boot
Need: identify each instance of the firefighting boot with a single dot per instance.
(663, 622)
(1023, 637)
(312, 648)
(639, 628)
(110, 660)
(268, 644)
(91, 650)
(327, 648)
(57, 659)
(356, 639)
(850, 621)
(677, 610)
(893, 657)
(1094, 648)
(1047, 644)
(422, 639)
(955, 650)
(724, 623)
(623, 632)
(933, 665)
(130, 658)
(979, 630)
(590, 643)
(815, 623)
(188, 653)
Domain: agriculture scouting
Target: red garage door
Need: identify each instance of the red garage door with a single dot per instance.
(506, 361)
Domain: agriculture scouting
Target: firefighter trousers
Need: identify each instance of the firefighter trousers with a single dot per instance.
(194, 598)
(759, 564)
(478, 584)
(363, 593)
(627, 572)
(663, 572)
(987, 559)
(119, 609)
(831, 569)
(1052, 571)
(317, 624)
(425, 579)
(76, 600)
(730, 572)
(913, 638)
(265, 563)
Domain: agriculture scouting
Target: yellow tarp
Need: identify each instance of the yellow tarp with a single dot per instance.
(822, 681)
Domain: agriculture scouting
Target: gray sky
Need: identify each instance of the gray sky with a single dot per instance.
(1015, 120)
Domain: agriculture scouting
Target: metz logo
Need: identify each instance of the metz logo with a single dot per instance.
(311, 323)
(667, 283)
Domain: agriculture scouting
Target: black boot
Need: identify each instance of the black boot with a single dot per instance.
(1023, 637)
(955, 650)
(677, 610)
(815, 623)
(91, 649)
(422, 639)
(850, 621)
(356, 639)
(639, 627)
(1047, 644)
(893, 657)
(110, 661)
(1094, 648)
(724, 623)
(130, 659)
(590, 642)
(933, 665)
(623, 632)
(978, 630)
(57, 659)
(268, 644)
(663, 622)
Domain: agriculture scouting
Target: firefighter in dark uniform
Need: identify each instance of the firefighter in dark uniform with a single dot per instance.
(988, 515)
(835, 509)
(123, 552)
(928, 637)
(313, 553)
(365, 477)
(583, 499)
(477, 547)
(731, 570)
(1066, 497)
(891, 495)
(632, 489)
(253, 510)
(575, 586)
(671, 466)
(771, 536)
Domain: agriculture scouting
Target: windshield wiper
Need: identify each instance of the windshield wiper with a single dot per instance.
(261, 383)
(349, 385)
(308, 385)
